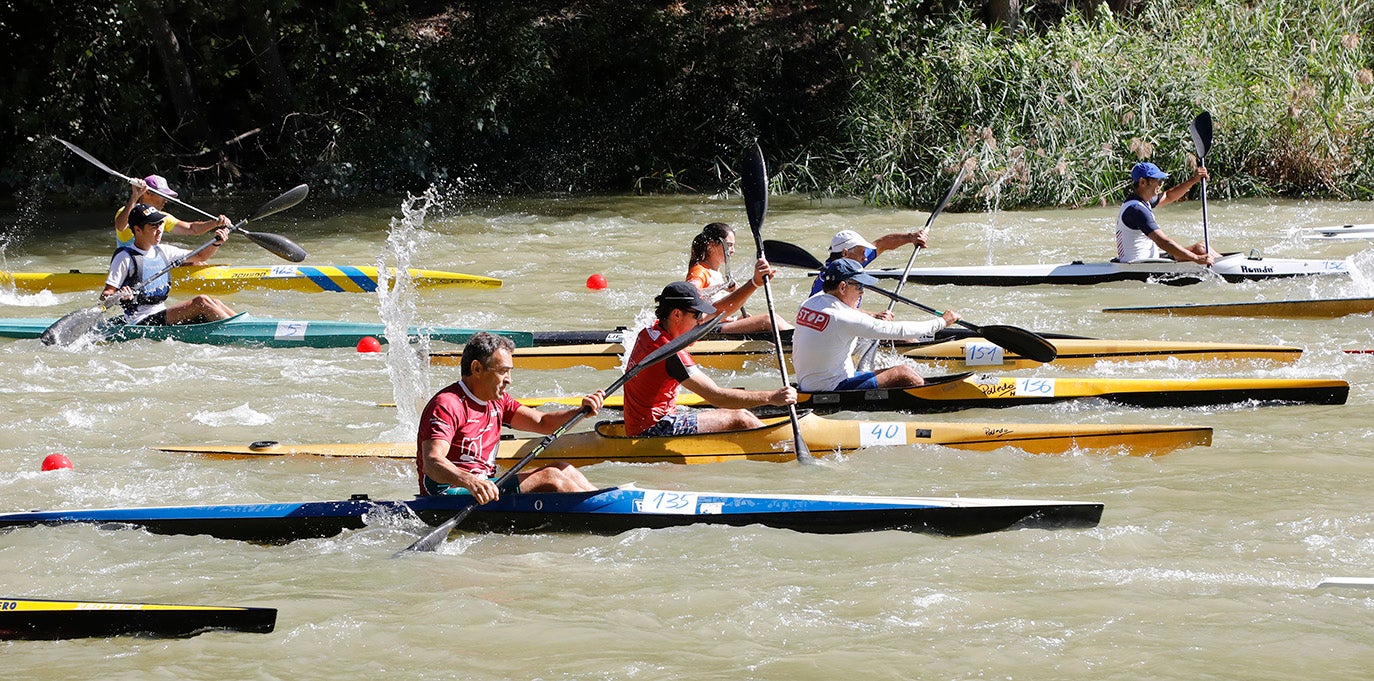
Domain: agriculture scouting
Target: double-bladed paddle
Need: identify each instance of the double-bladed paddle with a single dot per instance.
(1028, 344)
(276, 244)
(74, 325)
(436, 537)
(754, 184)
(866, 359)
(1201, 130)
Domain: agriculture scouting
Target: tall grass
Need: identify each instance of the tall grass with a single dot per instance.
(1058, 116)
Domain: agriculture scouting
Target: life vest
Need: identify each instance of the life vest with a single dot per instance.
(152, 292)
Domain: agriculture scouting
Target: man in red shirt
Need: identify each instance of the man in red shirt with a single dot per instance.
(460, 428)
(651, 396)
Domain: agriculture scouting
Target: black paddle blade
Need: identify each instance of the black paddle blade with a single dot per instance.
(1201, 130)
(754, 184)
(1028, 344)
(276, 244)
(281, 203)
(784, 254)
(72, 326)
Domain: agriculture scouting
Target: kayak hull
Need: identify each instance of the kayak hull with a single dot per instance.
(606, 511)
(243, 329)
(1232, 268)
(959, 352)
(1322, 308)
(608, 442)
(223, 279)
(34, 619)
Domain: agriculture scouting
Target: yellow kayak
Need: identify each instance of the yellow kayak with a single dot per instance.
(964, 353)
(220, 279)
(771, 442)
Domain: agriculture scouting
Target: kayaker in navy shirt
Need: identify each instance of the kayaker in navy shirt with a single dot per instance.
(848, 243)
(1138, 237)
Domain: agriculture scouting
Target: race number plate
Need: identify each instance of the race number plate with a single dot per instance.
(983, 354)
(877, 434)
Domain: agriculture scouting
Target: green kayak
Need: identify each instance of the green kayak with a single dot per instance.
(243, 329)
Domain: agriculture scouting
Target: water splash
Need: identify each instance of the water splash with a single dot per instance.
(407, 364)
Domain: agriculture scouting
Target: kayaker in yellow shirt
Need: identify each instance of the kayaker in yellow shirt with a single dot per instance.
(139, 193)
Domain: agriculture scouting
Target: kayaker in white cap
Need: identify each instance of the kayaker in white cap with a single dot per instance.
(848, 243)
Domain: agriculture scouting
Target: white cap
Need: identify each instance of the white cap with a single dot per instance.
(846, 239)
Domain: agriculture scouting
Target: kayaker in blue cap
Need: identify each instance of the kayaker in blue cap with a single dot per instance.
(830, 323)
(1138, 237)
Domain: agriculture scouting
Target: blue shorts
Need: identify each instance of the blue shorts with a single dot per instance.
(678, 423)
(435, 489)
(864, 380)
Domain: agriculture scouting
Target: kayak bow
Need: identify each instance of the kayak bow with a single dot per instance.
(42, 619)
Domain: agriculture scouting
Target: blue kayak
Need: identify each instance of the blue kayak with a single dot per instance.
(243, 329)
(606, 511)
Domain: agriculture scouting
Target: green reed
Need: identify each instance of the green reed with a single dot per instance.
(1057, 115)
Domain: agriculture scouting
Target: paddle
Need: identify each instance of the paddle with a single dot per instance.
(437, 536)
(1201, 130)
(754, 184)
(1028, 344)
(276, 244)
(74, 325)
(866, 359)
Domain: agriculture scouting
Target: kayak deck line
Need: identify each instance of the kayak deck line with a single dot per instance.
(1231, 267)
(244, 329)
(606, 511)
(958, 392)
(1319, 308)
(967, 352)
(607, 442)
(35, 619)
(222, 279)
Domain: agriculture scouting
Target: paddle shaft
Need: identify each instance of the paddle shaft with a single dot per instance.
(1201, 130)
(754, 184)
(436, 537)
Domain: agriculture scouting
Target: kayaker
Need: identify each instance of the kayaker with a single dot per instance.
(1138, 237)
(709, 268)
(830, 323)
(848, 243)
(147, 255)
(460, 429)
(651, 396)
(139, 193)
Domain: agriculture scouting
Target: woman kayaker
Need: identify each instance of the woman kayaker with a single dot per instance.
(708, 268)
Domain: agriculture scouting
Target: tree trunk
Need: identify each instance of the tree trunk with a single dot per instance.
(1002, 14)
(278, 93)
(179, 86)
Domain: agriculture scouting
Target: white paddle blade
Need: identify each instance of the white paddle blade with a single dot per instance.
(72, 326)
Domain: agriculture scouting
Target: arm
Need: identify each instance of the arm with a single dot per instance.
(545, 422)
(137, 189)
(864, 325)
(737, 398)
(434, 459)
(183, 227)
(221, 236)
(1180, 253)
(888, 242)
(1181, 189)
(731, 304)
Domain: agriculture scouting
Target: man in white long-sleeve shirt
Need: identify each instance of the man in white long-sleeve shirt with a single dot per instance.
(830, 322)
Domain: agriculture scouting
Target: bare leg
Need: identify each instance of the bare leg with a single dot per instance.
(559, 476)
(718, 420)
(899, 376)
(199, 308)
(752, 324)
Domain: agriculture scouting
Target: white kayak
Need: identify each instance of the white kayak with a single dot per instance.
(1233, 267)
(1338, 232)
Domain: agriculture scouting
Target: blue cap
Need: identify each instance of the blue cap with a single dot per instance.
(1150, 170)
(841, 269)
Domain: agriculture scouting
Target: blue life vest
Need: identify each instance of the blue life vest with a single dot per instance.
(152, 292)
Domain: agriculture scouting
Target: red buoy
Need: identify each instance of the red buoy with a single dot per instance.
(369, 344)
(54, 462)
(596, 282)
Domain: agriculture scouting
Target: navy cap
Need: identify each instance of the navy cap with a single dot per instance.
(144, 214)
(1150, 170)
(684, 295)
(842, 269)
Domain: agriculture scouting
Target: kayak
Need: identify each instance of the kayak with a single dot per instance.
(608, 442)
(1233, 267)
(1338, 232)
(242, 329)
(1320, 308)
(969, 391)
(36, 619)
(220, 279)
(953, 351)
(607, 511)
